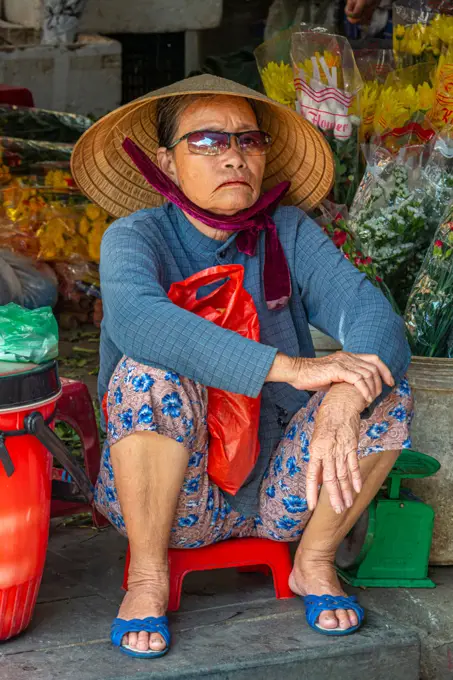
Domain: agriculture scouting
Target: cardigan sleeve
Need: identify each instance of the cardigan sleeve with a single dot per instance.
(343, 303)
(146, 326)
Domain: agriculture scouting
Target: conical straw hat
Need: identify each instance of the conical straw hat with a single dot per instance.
(108, 177)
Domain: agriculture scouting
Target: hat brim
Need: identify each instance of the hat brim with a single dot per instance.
(108, 177)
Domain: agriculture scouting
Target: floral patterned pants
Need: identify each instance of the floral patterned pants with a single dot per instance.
(143, 398)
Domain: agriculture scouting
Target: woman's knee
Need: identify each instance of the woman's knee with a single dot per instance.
(147, 399)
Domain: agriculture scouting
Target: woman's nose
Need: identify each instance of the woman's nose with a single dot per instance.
(233, 157)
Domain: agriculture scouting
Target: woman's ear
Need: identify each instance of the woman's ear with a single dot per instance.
(166, 163)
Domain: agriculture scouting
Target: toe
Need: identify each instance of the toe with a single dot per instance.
(328, 619)
(143, 641)
(353, 619)
(343, 619)
(131, 639)
(125, 640)
(156, 642)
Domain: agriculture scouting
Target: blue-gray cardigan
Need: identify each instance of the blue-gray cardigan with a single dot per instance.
(143, 254)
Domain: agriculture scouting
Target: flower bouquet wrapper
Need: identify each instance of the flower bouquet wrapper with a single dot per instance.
(421, 31)
(273, 59)
(441, 113)
(429, 312)
(374, 65)
(334, 221)
(405, 98)
(328, 84)
(41, 124)
(398, 206)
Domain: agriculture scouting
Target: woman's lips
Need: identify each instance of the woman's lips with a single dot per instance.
(234, 182)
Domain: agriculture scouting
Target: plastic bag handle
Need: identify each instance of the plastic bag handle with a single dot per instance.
(233, 272)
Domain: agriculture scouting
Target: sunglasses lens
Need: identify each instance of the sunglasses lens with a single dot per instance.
(255, 142)
(207, 143)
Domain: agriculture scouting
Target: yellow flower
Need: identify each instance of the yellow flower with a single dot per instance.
(416, 46)
(84, 226)
(442, 28)
(391, 112)
(331, 61)
(93, 212)
(57, 179)
(425, 95)
(278, 84)
(94, 240)
(51, 239)
(400, 32)
(368, 100)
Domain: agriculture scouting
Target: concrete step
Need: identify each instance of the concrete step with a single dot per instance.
(229, 627)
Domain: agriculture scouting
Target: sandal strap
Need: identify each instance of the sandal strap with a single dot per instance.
(151, 624)
(316, 604)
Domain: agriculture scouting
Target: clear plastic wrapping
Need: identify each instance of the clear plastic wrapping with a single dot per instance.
(429, 313)
(399, 205)
(421, 31)
(328, 83)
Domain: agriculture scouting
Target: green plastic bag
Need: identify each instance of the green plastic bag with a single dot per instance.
(27, 335)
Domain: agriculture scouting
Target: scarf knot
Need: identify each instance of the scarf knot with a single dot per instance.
(249, 223)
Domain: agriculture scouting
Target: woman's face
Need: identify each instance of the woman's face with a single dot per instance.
(224, 183)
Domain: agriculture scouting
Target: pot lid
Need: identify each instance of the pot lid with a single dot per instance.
(27, 384)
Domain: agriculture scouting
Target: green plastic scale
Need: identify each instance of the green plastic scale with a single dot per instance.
(390, 544)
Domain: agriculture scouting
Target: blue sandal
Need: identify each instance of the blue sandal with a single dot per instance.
(152, 624)
(315, 604)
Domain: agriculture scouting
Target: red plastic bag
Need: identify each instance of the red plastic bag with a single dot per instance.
(233, 419)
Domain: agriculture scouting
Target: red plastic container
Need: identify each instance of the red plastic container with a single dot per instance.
(25, 488)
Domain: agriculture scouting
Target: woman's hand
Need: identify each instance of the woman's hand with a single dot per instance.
(360, 11)
(364, 371)
(333, 448)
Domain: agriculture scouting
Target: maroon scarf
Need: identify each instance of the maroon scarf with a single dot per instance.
(249, 222)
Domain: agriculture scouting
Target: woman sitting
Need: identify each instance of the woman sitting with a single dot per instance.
(331, 428)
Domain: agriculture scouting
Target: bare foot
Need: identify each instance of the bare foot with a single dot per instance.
(318, 577)
(147, 595)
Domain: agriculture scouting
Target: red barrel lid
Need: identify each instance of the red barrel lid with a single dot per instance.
(24, 385)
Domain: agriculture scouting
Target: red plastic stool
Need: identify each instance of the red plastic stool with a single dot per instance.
(15, 96)
(247, 554)
(75, 408)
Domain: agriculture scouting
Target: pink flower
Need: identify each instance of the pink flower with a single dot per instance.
(378, 279)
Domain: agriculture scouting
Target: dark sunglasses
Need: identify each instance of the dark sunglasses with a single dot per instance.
(211, 143)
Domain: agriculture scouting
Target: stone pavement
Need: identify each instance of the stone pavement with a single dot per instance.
(229, 626)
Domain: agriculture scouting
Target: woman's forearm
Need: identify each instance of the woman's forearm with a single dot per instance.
(284, 369)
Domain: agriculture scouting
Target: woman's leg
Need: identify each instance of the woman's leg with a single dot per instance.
(156, 438)
(283, 508)
(153, 483)
(149, 471)
(314, 572)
